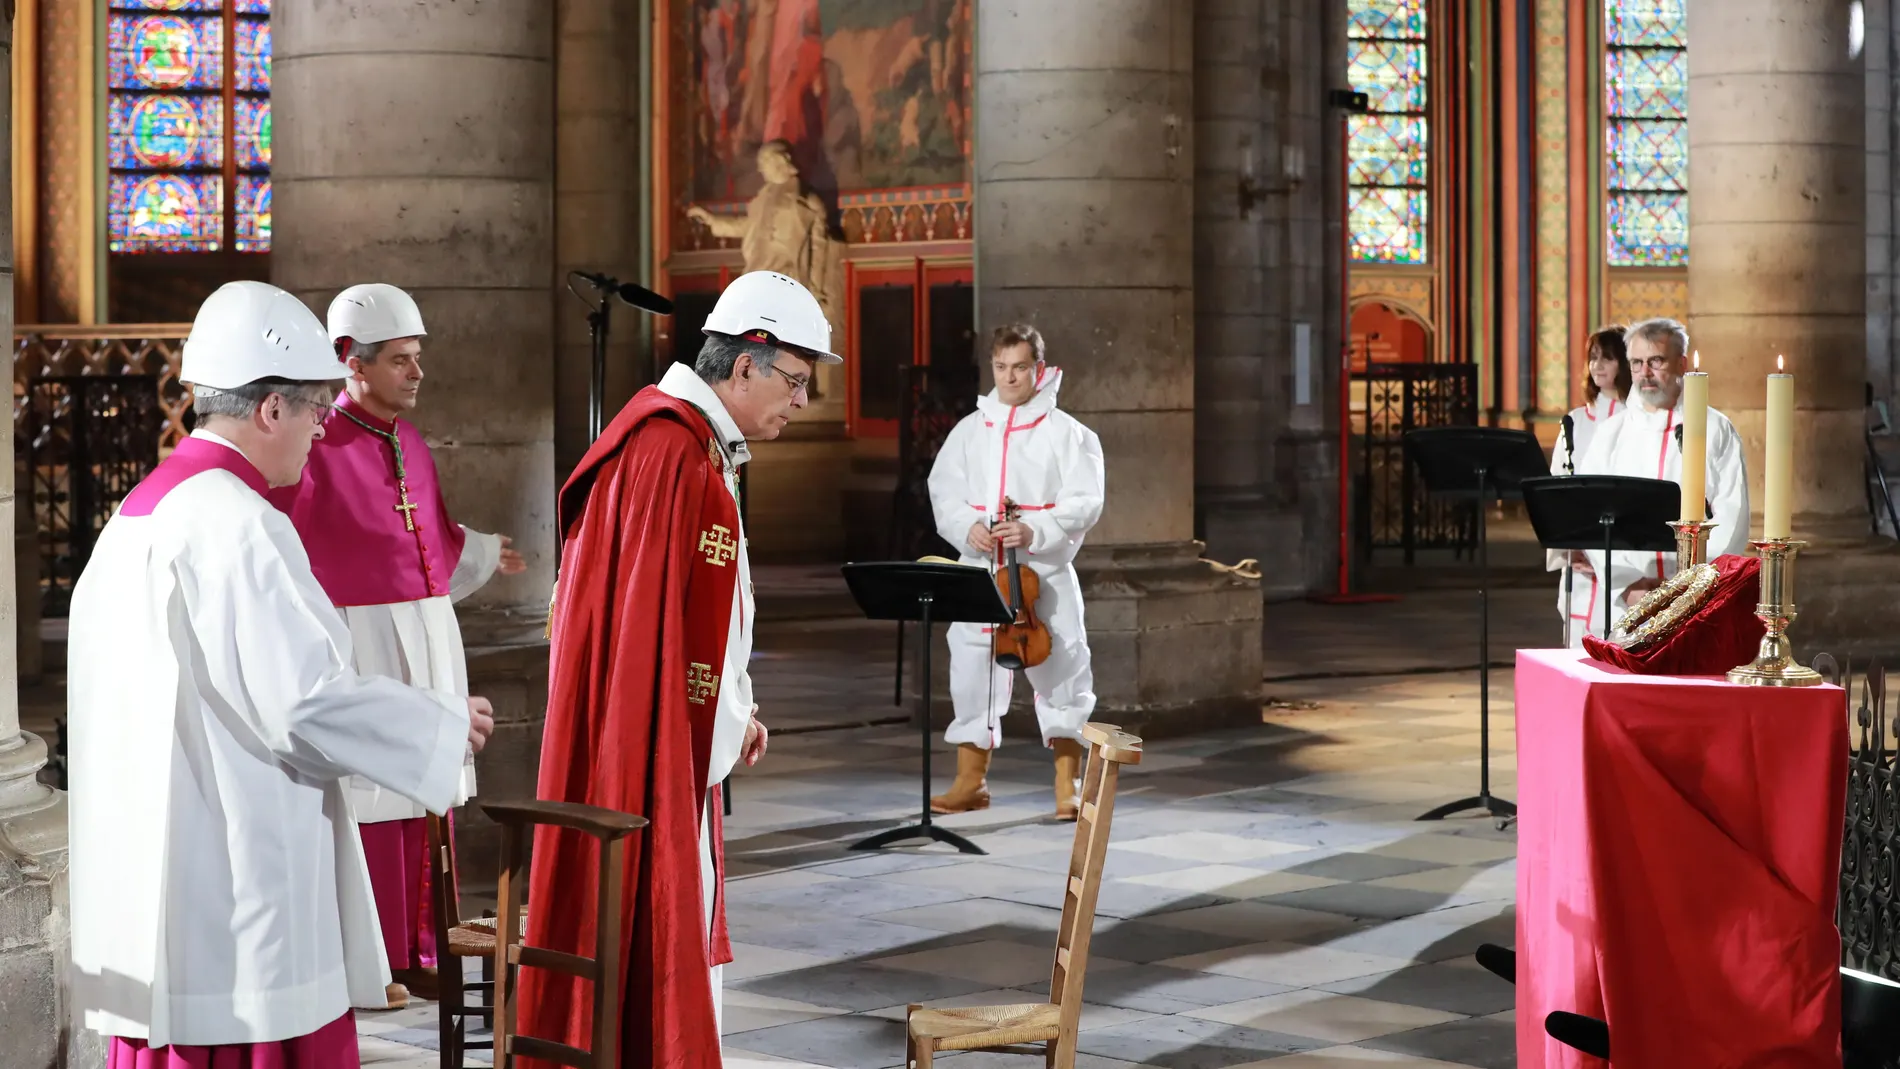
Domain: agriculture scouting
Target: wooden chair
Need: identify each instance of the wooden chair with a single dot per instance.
(518, 821)
(1052, 1024)
(454, 941)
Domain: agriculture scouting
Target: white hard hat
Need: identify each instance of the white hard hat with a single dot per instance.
(374, 312)
(776, 306)
(252, 330)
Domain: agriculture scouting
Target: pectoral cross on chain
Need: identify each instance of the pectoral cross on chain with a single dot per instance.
(407, 508)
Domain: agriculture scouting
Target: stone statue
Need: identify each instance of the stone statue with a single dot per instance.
(785, 229)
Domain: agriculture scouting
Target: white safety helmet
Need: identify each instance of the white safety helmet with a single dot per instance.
(778, 308)
(248, 331)
(374, 312)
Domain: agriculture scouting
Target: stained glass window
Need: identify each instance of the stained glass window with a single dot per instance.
(188, 125)
(1390, 145)
(1646, 135)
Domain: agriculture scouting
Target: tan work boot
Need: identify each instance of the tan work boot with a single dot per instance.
(971, 790)
(1069, 754)
(422, 983)
(397, 996)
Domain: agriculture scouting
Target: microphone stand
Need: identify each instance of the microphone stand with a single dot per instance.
(598, 324)
(1570, 468)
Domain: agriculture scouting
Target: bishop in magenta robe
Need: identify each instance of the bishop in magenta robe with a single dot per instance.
(383, 545)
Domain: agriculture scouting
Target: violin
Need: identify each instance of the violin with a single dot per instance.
(1024, 642)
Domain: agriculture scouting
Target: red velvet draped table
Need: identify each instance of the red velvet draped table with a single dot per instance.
(1678, 859)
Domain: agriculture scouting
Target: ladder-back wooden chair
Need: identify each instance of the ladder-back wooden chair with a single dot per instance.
(518, 821)
(455, 941)
(1052, 1024)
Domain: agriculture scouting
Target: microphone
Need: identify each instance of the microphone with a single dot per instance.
(1570, 443)
(639, 296)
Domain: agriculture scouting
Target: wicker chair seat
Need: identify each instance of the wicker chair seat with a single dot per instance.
(471, 941)
(987, 1027)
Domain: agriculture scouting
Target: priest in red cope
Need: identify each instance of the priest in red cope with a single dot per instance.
(649, 702)
(371, 515)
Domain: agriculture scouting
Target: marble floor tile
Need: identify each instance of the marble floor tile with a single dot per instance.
(1207, 847)
(991, 962)
(747, 1011)
(1161, 988)
(1322, 1015)
(848, 1041)
(1256, 921)
(1361, 900)
(1190, 1043)
(853, 986)
(1486, 1044)
(1472, 992)
(1289, 964)
(1352, 1057)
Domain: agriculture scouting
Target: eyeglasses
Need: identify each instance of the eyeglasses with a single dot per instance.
(1655, 363)
(319, 410)
(800, 383)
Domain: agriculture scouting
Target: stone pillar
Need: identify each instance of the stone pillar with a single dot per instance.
(596, 206)
(1778, 233)
(1876, 50)
(34, 924)
(1264, 469)
(415, 146)
(1084, 186)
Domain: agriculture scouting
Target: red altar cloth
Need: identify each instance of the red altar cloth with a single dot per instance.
(1678, 857)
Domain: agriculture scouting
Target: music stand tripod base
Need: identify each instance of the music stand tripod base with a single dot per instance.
(1497, 807)
(918, 831)
(930, 593)
(1480, 465)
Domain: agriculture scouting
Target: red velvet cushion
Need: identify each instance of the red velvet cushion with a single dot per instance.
(1722, 634)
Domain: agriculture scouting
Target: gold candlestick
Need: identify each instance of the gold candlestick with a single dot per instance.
(1692, 542)
(1774, 665)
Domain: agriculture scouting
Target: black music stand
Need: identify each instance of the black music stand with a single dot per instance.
(1606, 512)
(1477, 464)
(933, 594)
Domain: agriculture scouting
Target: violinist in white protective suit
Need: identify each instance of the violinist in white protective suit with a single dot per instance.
(1019, 473)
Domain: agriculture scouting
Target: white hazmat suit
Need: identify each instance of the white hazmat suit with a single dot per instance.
(1050, 466)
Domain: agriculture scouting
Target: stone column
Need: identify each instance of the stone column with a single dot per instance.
(596, 206)
(33, 893)
(1264, 471)
(1778, 236)
(415, 146)
(1084, 186)
(1876, 50)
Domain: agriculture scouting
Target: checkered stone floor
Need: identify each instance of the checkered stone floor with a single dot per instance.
(1268, 900)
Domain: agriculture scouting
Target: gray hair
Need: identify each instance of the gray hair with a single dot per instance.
(1671, 335)
(366, 351)
(240, 401)
(721, 352)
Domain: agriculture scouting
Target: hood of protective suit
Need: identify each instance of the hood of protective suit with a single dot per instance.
(1041, 404)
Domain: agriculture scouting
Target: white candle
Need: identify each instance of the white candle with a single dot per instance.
(1695, 444)
(1778, 472)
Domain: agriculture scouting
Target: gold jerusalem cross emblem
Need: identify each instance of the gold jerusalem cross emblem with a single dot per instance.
(718, 546)
(701, 684)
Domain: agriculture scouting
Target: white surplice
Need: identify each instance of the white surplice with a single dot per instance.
(735, 688)
(219, 891)
(1585, 421)
(1641, 443)
(419, 642)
